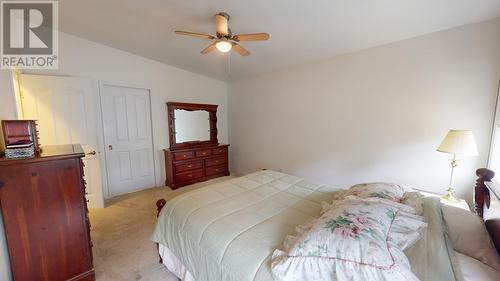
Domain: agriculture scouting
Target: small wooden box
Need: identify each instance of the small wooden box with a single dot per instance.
(17, 132)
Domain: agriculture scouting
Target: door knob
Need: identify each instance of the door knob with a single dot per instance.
(110, 147)
(91, 152)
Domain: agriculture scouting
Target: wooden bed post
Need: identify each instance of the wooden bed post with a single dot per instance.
(159, 205)
(482, 201)
(482, 193)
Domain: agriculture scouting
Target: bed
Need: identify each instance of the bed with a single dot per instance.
(228, 231)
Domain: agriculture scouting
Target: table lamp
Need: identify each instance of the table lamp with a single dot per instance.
(458, 143)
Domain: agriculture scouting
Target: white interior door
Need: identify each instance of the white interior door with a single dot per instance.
(127, 135)
(66, 110)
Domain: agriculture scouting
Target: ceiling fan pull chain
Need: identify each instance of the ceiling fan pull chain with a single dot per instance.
(228, 68)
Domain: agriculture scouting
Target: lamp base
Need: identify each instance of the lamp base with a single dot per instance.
(450, 197)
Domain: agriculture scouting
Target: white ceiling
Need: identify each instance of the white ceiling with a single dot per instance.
(301, 30)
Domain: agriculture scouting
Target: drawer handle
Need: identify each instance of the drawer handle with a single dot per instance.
(219, 150)
(216, 170)
(190, 175)
(216, 161)
(203, 153)
(190, 166)
(184, 156)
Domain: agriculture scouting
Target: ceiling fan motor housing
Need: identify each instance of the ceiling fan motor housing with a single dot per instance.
(226, 17)
(224, 14)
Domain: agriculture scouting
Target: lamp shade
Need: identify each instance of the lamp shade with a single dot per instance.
(459, 142)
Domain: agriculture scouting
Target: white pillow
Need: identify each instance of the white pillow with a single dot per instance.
(356, 239)
(469, 236)
(473, 269)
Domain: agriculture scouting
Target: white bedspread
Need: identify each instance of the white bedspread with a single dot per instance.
(227, 231)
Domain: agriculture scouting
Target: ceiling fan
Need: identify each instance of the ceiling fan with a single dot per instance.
(224, 40)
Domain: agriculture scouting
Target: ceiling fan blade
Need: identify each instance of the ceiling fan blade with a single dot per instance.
(240, 50)
(208, 49)
(194, 34)
(251, 37)
(221, 24)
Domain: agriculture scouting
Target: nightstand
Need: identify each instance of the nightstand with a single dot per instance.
(461, 203)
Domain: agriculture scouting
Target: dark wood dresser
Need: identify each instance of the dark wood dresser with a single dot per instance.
(193, 160)
(45, 216)
(188, 166)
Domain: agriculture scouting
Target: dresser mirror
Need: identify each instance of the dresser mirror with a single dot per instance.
(192, 124)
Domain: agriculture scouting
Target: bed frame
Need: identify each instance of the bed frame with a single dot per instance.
(159, 205)
(481, 202)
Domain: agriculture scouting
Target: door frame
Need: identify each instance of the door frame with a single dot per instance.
(104, 168)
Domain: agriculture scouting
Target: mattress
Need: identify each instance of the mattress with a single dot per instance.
(173, 264)
(228, 231)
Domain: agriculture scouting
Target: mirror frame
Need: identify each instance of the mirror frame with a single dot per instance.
(212, 111)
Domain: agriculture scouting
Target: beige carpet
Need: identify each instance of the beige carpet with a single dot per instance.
(120, 234)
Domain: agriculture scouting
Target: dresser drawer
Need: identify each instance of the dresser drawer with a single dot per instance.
(195, 163)
(220, 150)
(183, 155)
(203, 153)
(216, 161)
(210, 171)
(187, 176)
(180, 167)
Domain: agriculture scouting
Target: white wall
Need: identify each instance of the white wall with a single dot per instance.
(7, 111)
(79, 57)
(7, 101)
(374, 115)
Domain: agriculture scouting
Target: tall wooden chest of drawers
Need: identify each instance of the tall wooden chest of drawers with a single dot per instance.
(45, 216)
(191, 165)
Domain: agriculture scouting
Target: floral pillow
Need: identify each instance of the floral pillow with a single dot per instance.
(412, 207)
(414, 199)
(356, 239)
(384, 190)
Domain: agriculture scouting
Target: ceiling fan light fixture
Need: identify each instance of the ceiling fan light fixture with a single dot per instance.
(224, 46)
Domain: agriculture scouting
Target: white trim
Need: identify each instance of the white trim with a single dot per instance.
(101, 85)
(16, 91)
(493, 187)
(100, 152)
(496, 118)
